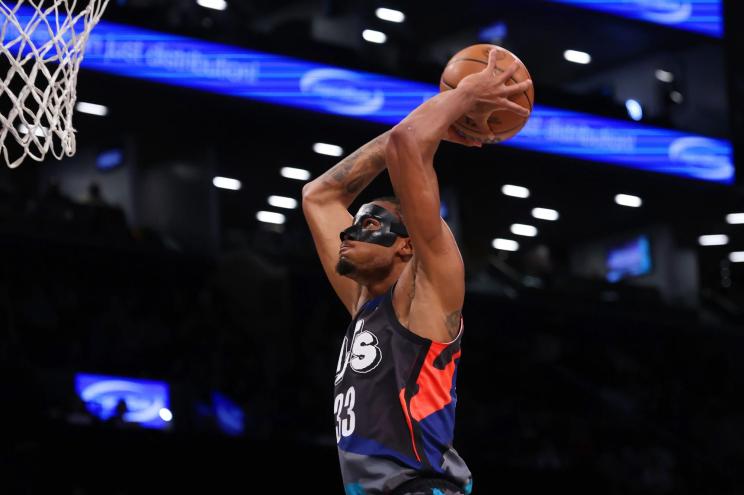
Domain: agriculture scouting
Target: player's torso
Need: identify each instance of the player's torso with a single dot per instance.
(394, 403)
(373, 366)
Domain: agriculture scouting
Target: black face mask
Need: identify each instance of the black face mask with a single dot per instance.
(390, 227)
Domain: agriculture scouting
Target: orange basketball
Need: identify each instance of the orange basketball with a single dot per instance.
(503, 123)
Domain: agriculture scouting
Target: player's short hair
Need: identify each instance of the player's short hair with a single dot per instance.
(393, 201)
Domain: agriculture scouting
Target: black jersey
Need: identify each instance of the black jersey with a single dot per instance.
(394, 404)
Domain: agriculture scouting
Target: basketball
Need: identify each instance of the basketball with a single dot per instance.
(503, 123)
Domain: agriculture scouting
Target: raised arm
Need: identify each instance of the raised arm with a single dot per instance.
(409, 155)
(325, 203)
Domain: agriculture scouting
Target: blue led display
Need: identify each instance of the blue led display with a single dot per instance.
(110, 159)
(177, 60)
(631, 259)
(239, 72)
(144, 399)
(700, 16)
(627, 144)
(229, 416)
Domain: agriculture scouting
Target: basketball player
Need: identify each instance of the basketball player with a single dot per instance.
(398, 271)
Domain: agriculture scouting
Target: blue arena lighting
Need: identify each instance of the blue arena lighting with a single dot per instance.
(165, 58)
(110, 159)
(700, 16)
(144, 398)
(229, 416)
(628, 144)
(631, 259)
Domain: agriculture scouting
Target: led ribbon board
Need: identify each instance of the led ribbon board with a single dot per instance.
(700, 16)
(177, 60)
(628, 144)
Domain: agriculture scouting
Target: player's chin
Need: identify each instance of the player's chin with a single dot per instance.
(345, 267)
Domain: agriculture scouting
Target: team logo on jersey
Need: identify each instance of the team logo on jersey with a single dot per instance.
(362, 356)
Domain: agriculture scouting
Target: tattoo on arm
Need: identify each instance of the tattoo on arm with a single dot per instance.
(356, 171)
(452, 323)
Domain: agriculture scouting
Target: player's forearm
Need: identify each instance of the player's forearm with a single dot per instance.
(429, 122)
(345, 180)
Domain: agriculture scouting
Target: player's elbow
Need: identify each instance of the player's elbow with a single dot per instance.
(312, 193)
(307, 191)
(401, 143)
(401, 136)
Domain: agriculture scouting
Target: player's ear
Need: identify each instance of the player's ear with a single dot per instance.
(406, 248)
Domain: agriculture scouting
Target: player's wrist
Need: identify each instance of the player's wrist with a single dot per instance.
(467, 92)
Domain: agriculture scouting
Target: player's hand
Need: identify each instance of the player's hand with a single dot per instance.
(490, 92)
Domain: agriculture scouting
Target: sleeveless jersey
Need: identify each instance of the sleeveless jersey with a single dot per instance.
(394, 404)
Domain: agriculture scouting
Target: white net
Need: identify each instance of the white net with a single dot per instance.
(43, 42)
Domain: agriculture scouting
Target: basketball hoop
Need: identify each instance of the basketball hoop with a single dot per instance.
(43, 42)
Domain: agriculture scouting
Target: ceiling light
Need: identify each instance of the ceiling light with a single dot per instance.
(664, 76)
(577, 57)
(390, 15)
(628, 200)
(713, 240)
(270, 217)
(515, 191)
(525, 230)
(91, 108)
(283, 202)
(39, 131)
(736, 257)
(295, 173)
(545, 214)
(213, 4)
(735, 218)
(374, 36)
(505, 244)
(328, 149)
(227, 183)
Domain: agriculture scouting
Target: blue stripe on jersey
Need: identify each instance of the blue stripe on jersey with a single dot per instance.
(354, 489)
(438, 432)
(373, 303)
(364, 446)
(438, 429)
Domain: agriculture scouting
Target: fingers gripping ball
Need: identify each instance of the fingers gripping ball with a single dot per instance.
(503, 124)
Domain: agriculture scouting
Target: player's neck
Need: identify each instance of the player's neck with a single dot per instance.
(375, 288)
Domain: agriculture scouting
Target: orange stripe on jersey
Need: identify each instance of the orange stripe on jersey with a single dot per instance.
(408, 420)
(434, 385)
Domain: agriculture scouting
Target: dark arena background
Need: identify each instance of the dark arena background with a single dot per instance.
(166, 326)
